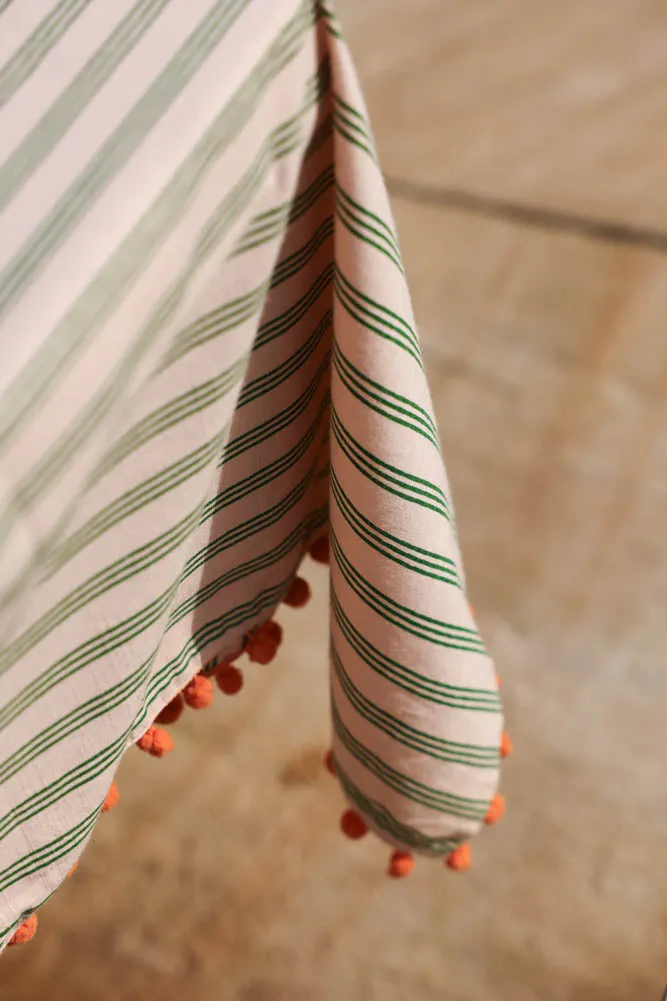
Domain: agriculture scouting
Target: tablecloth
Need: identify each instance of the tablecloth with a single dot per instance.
(208, 361)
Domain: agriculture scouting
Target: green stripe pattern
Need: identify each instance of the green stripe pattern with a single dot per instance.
(416, 713)
(229, 370)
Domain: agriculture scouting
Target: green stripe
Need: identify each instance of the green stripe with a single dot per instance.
(49, 853)
(303, 356)
(409, 736)
(358, 230)
(429, 689)
(133, 255)
(231, 623)
(77, 777)
(425, 627)
(243, 615)
(82, 715)
(372, 319)
(178, 409)
(59, 553)
(37, 46)
(332, 26)
(265, 561)
(118, 149)
(219, 321)
(119, 572)
(382, 400)
(389, 478)
(348, 134)
(353, 117)
(245, 529)
(33, 483)
(134, 500)
(104, 702)
(86, 653)
(382, 313)
(207, 328)
(271, 224)
(293, 264)
(38, 479)
(247, 614)
(309, 197)
(260, 433)
(399, 551)
(270, 380)
(240, 489)
(383, 820)
(286, 320)
(370, 222)
(58, 119)
(406, 786)
(350, 124)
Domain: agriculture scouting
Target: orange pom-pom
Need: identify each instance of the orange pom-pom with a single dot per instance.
(272, 630)
(499, 680)
(229, 678)
(198, 693)
(298, 594)
(329, 762)
(261, 650)
(352, 825)
(261, 644)
(25, 932)
(506, 745)
(401, 864)
(460, 859)
(111, 798)
(171, 711)
(156, 742)
(319, 551)
(496, 809)
(73, 870)
(219, 664)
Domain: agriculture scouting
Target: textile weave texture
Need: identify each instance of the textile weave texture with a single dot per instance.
(208, 359)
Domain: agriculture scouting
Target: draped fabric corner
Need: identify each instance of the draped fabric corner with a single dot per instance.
(208, 359)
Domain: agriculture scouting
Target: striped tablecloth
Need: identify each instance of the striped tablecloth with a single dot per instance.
(208, 360)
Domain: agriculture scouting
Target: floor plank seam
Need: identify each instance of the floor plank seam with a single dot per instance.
(537, 217)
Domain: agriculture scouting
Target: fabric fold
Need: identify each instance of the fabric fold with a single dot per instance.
(209, 362)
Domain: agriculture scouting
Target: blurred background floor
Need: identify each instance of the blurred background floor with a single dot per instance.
(223, 876)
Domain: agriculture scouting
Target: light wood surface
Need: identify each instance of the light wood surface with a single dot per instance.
(551, 103)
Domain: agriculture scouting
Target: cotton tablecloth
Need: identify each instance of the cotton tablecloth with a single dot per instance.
(208, 361)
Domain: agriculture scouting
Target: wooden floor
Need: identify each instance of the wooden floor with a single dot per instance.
(223, 876)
